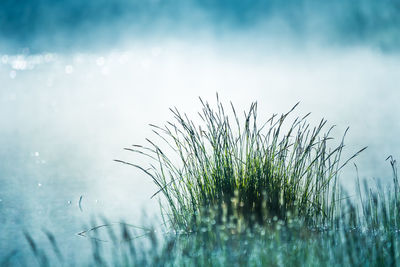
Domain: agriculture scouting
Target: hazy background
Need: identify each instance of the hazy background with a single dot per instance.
(81, 80)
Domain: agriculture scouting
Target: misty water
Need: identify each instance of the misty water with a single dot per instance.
(66, 114)
(65, 117)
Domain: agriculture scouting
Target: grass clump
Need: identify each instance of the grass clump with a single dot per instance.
(365, 237)
(241, 168)
(279, 178)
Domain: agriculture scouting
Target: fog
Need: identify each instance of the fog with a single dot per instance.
(96, 24)
(70, 101)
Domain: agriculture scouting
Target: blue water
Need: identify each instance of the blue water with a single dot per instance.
(79, 81)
